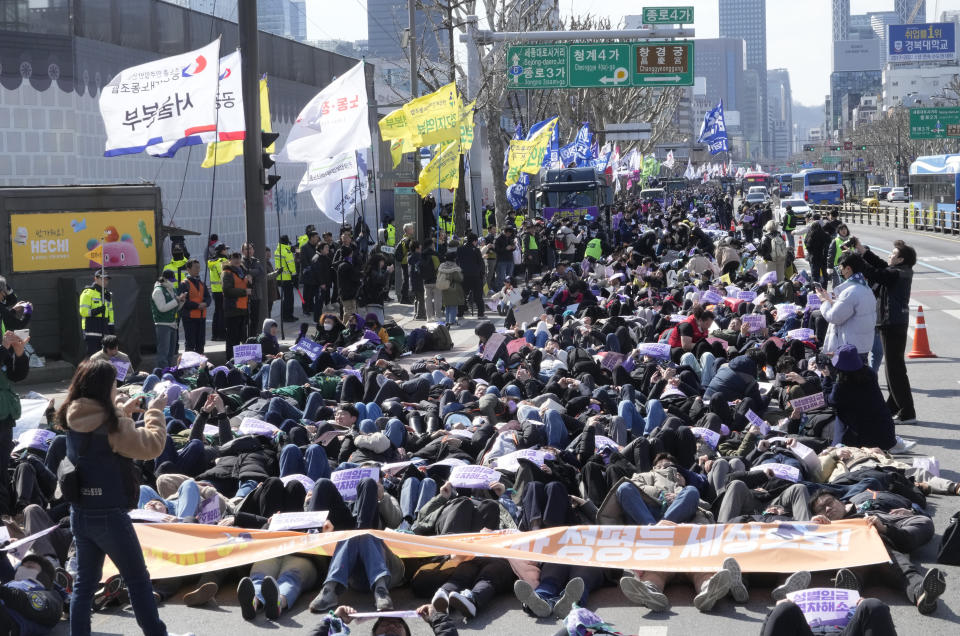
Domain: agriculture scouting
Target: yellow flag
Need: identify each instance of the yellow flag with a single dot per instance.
(395, 125)
(96, 254)
(221, 152)
(434, 118)
(466, 126)
(396, 151)
(443, 171)
(526, 155)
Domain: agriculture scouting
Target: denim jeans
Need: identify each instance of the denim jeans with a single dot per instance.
(365, 550)
(369, 410)
(109, 532)
(708, 363)
(313, 462)
(414, 493)
(504, 271)
(186, 504)
(655, 416)
(536, 338)
(876, 352)
(557, 435)
(450, 314)
(293, 573)
(528, 413)
(637, 510)
(166, 345)
(279, 410)
(149, 382)
(284, 373)
(613, 343)
(631, 418)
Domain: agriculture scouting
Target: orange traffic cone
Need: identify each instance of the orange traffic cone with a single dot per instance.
(800, 253)
(732, 228)
(921, 346)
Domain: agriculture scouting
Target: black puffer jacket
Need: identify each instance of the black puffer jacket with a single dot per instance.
(892, 285)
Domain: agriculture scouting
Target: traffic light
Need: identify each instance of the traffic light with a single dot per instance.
(267, 139)
(808, 147)
(864, 147)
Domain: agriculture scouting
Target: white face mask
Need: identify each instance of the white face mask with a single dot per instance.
(328, 326)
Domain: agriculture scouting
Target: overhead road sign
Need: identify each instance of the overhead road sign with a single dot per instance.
(599, 65)
(934, 123)
(667, 15)
(632, 131)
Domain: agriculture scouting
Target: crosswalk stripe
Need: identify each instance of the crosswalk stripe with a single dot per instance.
(652, 631)
(953, 312)
(955, 299)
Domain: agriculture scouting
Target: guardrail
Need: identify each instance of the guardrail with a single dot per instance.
(881, 215)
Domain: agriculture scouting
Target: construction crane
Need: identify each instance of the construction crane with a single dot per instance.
(913, 13)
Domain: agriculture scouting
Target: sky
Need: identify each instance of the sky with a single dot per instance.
(798, 31)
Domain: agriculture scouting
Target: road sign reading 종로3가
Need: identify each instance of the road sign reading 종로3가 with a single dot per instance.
(538, 66)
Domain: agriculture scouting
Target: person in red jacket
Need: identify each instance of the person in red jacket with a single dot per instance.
(691, 334)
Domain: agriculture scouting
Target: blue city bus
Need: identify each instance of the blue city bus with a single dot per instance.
(785, 182)
(821, 187)
(935, 183)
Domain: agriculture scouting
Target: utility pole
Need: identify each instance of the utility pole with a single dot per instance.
(414, 90)
(252, 147)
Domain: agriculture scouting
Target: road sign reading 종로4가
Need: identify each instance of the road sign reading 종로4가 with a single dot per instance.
(668, 15)
(934, 123)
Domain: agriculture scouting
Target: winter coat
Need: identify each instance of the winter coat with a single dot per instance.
(735, 380)
(452, 296)
(892, 286)
(85, 416)
(470, 261)
(851, 317)
(864, 413)
(348, 280)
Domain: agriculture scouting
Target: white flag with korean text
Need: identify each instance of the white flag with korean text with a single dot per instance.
(338, 200)
(333, 122)
(173, 99)
(329, 170)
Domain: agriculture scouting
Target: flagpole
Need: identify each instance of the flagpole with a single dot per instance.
(342, 219)
(265, 302)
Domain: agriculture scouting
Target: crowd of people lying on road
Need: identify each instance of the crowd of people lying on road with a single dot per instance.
(675, 380)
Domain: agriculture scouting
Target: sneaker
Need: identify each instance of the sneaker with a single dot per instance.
(644, 593)
(464, 603)
(247, 598)
(571, 594)
(440, 600)
(899, 419)
(530, 599)
(902, 446)
(202, 595)
(271, 598)
(737, 589)
(326, 600)
(795, 582)
(712, 590)
(933, 586)
(381, 597)
(846, 580)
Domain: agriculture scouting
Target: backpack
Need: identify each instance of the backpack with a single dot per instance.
(439, 339)
(949, 552)
(443, 281)
(778, 249)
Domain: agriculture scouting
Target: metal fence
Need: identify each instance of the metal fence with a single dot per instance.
(939, 221)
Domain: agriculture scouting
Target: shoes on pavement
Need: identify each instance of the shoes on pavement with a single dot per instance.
(440, 600)
(326, 600)
(202, 595)
(847, 580)
(247, 598)
(530, 599)
(712, 590)
(464, 603)
(933, 586)
(644, 593)
(795, 582)
(271, 598)
(381, 595)
(902, 446)
(571, 594)
(900, 419)
(737, 588)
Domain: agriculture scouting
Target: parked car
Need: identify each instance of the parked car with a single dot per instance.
(756, 197)
(800, 209)
(899, 194)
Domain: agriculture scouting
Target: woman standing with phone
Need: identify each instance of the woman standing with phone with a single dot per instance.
(102, 442)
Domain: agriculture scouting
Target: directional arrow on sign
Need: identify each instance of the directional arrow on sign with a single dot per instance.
(516, 62)
(662, 78)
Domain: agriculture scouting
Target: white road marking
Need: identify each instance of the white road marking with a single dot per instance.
(955, 299)
(652, 631)
(953, 312)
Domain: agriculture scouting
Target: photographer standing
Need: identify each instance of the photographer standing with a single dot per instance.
(892, 281)
(102, 442)
(15, 362)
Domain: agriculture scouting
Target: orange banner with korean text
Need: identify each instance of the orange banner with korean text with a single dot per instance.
(172, 549)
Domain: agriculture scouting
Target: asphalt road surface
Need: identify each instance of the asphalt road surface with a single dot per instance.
(936, 386)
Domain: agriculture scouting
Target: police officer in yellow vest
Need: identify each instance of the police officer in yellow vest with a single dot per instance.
(518, 219)
(489, 217)
(391, 235)
(286, 269)
(594, 249)
(96, 312)
(215, 270)
(178, 263)
(303, 238)
(445, 222)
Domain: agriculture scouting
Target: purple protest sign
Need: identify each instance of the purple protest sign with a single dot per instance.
(785, 310)
(710, 437)
(748, 296)
(711, 297)
(308, 483)
(347, 480)
(209, 512)
(800, 334)
(813, 301)
(825, 606)
(601, 442)
(253, 426)
(191, 359)
(297, 520)
(327, 437)
(782, 471)
(756, 322)
(677, 317)
(473, 477)
(723, 343)
(492, 345)
(309, 348)
(611, 360)
(808, 403)
(35, 438)
(511, 461)
(654, 350)
(769, 277)
(758, 421)
(122, 368)
(247, 353)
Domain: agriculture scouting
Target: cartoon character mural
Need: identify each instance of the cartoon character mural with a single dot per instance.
(118, 250)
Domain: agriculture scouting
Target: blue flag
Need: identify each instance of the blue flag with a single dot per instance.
(713, 132)
(582, 144)
(568, 153)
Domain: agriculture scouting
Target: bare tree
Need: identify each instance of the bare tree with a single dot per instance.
(886, 141)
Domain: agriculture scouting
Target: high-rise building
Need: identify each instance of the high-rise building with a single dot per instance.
(905, 9)
(879, 21)
(844, 83)
(386, 22)
(780, 112)
(859, 27)
(841, 19)
(286, 18)
(747, 20)
(720, 62)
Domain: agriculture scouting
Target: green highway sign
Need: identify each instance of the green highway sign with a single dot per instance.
(599, 65)
(539, 66)
(668, 15)
(663, 64)
(934, 123)
(830, 159)
(566, 65)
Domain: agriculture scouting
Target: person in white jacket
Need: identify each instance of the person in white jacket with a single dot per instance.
(164, 304)
(851, 311)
